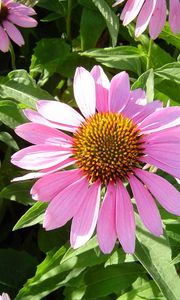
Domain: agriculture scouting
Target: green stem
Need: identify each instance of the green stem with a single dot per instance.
(11, 49)
(68, 20)
(149, 55)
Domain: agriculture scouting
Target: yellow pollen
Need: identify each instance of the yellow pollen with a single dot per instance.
(107, 146)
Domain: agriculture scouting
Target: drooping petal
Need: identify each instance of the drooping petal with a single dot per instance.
(22, 21)
(170, 135)
(21, 9)
(35, 117)
(158, 19)
(119, 92)
(147, 110)
(13, 33)
(84, 222)
(4, 40)
(39, 157)
(138, 96)
(33, 175)
(146, 206)
(166, 152)
(174, 13)
(161, 119)
(106, 229)
(85, 91)
(144, 16)
(162, 190)
(102, 88)
(47, 187)
(125, 221)
(66, 204)
(131, 10)
(161, 165)
(59, 112)
(42, 134)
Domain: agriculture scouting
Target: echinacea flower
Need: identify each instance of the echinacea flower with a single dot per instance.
(115, 134)
(152, 13)
(11, 14)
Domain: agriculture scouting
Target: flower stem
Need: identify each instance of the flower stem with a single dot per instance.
(149, 55)
(68, 20)
(11, 49)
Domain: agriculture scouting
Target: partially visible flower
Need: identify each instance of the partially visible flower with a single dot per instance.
(152, 13)
(4, 296)
(11, 14)
(116, 133)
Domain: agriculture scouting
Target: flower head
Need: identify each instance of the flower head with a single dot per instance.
(152, 13)
(108, 144)
(11, 14)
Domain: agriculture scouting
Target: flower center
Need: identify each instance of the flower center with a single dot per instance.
(107, 146)
(3, 13)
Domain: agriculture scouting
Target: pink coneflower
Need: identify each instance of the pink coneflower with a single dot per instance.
(152, 13)
(116, 133)
(11, 14)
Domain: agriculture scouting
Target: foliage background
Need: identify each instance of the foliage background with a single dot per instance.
(36, 264)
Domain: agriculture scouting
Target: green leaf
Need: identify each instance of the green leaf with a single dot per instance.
(170, 72)
(33, 216)
(169, 37)
(150, 86)
(122, 57)
(18, 85)
(111, 19)
(90, 19)
(6, 138)
(112, 279)
(49, 56)
(10, 114)
(155, 255)
(147, 291)
(18, 191)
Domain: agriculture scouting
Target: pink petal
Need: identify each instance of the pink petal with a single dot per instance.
(146, 207)
(39, 157)
(106, 229)
(13, 33)
(144, 16)
(162, 190)
(162, 165)
(158, 19)
(138, 96)
(85, 91)
(33, 175)
(42, 134)
(66, 204)
(170, 135)
(59, 112)
(102, 88)
(174, 13)
(147, 110)
(35, 117)
(125, 221)
(84, 222)
(131, 10)
(22, 21)
(47, 187)
(119, 92)
(21, 9)
(161, 119)
(117, 2)
(4, 40)
(166, 152)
